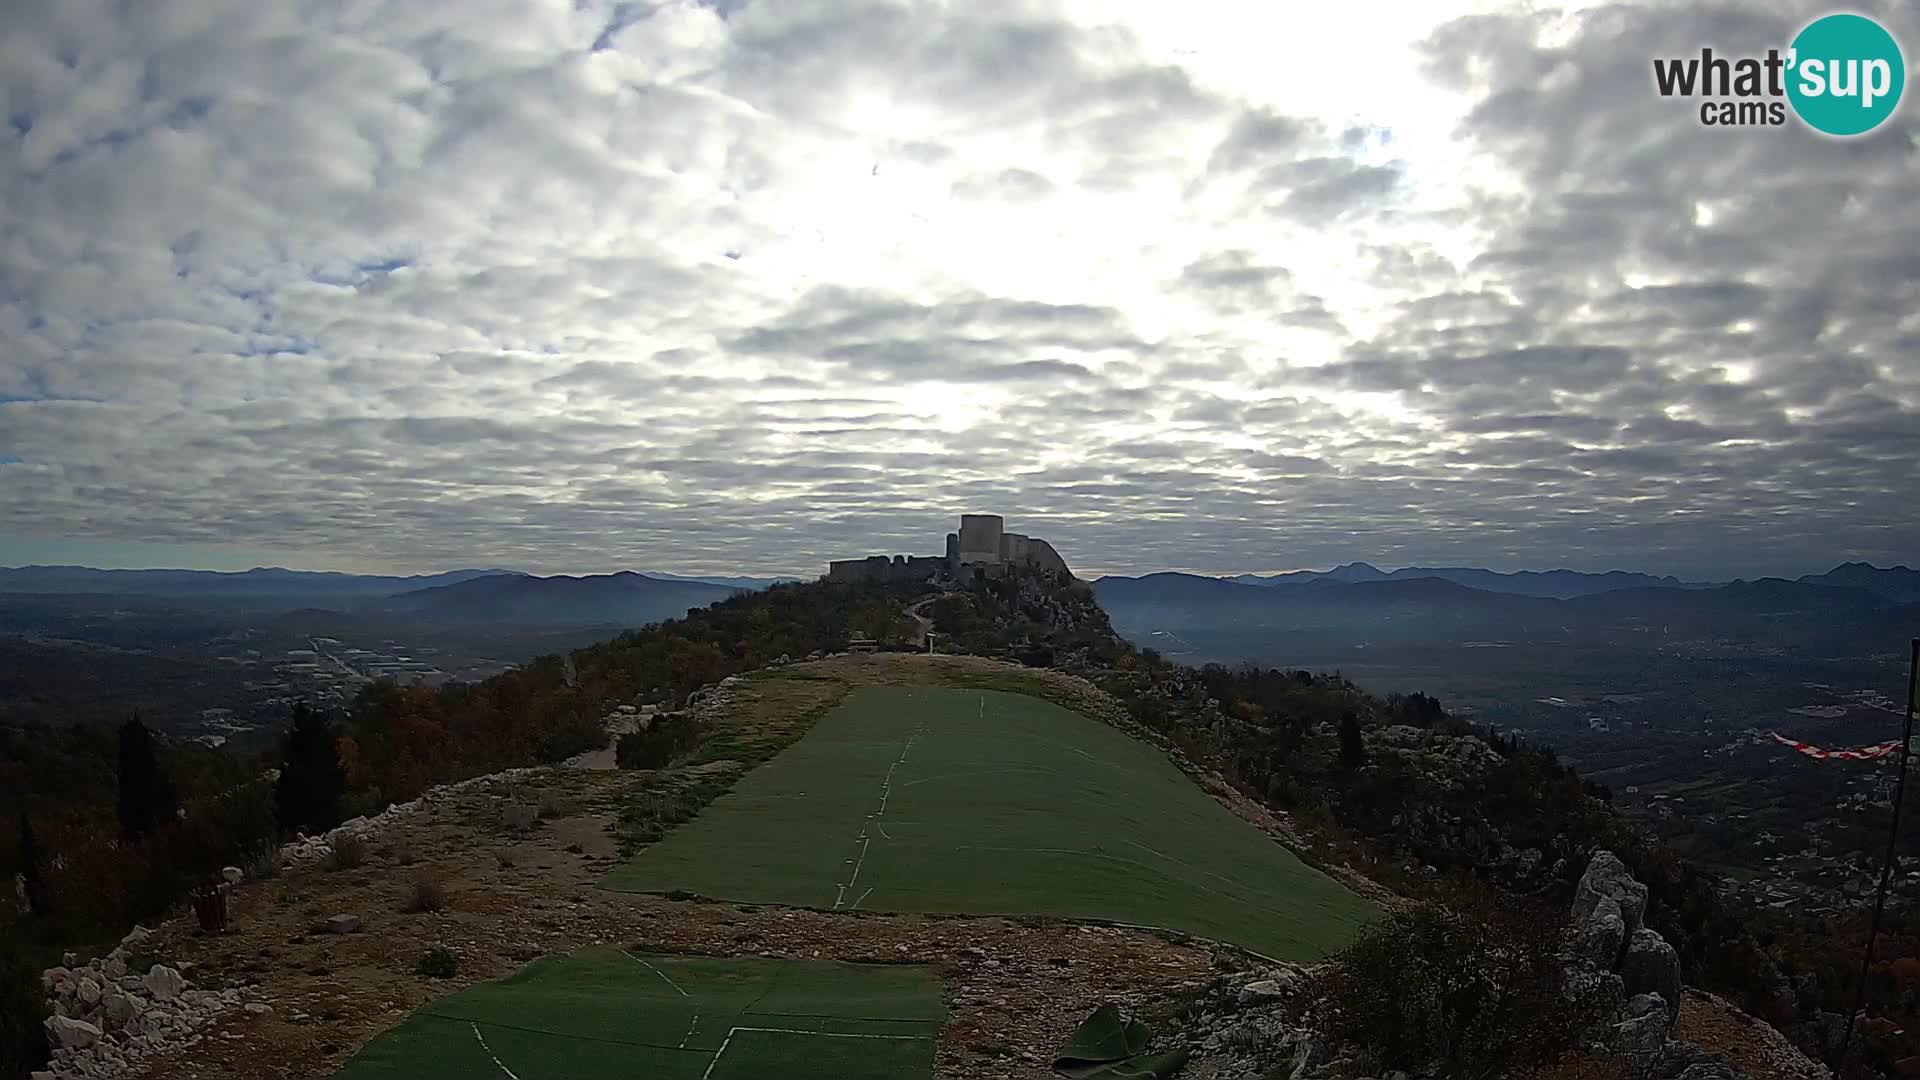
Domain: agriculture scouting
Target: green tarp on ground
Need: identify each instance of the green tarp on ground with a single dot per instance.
(1108, 1046)
(975, 802)
(611, 1014)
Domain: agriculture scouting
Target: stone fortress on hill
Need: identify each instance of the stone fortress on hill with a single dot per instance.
(981, 549)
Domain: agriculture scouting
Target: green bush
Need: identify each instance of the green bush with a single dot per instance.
(649, 814)
(438, 962)
(23, 1010)
(657, 746)
(1478, 995)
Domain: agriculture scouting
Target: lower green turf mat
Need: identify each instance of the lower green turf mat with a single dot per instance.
(605, 1014)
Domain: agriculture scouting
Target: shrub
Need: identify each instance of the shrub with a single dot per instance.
(261, 864)
(23, 1010)
(505, 858)
(649, 814)
(428, 895)
(1478, 995)
(657, 746)
(405, 855)
(438, 962)
(551, 806)
(348, 852)
(517, 816)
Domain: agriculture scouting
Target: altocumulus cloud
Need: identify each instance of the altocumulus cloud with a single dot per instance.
(745, 285)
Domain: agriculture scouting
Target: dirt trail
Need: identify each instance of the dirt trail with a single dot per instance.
(925, 621)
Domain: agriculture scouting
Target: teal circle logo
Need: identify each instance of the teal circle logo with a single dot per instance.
(1846, 74)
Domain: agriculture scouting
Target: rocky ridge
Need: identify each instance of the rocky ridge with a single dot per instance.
(1255, 1024)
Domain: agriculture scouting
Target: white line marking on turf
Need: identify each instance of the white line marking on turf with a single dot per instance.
(490, 1053)
(863, 896)
(688, 1037)
(866, 841)
(731, 1032)
(655, 970)
(832, 1034)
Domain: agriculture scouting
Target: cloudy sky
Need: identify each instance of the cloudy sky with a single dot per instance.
(742, 285)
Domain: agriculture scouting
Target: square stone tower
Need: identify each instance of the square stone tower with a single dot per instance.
(980, 538)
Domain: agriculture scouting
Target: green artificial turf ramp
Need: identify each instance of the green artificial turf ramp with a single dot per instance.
(980, 802)
(604, 1014)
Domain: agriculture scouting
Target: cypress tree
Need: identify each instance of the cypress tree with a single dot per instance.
(307, 795)
(30, 864)
(146, 799)
(1353, 752)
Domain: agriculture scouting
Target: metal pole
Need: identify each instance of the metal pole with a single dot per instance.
(1886, 870)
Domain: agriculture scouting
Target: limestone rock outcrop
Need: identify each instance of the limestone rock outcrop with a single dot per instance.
(107, 1018)
(1607, 878)
(1651, 966)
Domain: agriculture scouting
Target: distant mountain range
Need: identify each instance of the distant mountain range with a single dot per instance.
(1350, 603)
(730, 582)
(272, 583)
(1560, 584)
(261, 582)
(1897, 583)
(623, 599)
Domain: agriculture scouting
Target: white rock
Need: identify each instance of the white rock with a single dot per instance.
(233, 874)
(120, 1009)
(74, 1034)
(1262, 992)
(88, 991)
(164, 983)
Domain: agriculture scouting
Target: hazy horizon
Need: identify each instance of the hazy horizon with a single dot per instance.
(1084, 573)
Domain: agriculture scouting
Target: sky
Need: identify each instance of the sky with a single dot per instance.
(742, 286)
